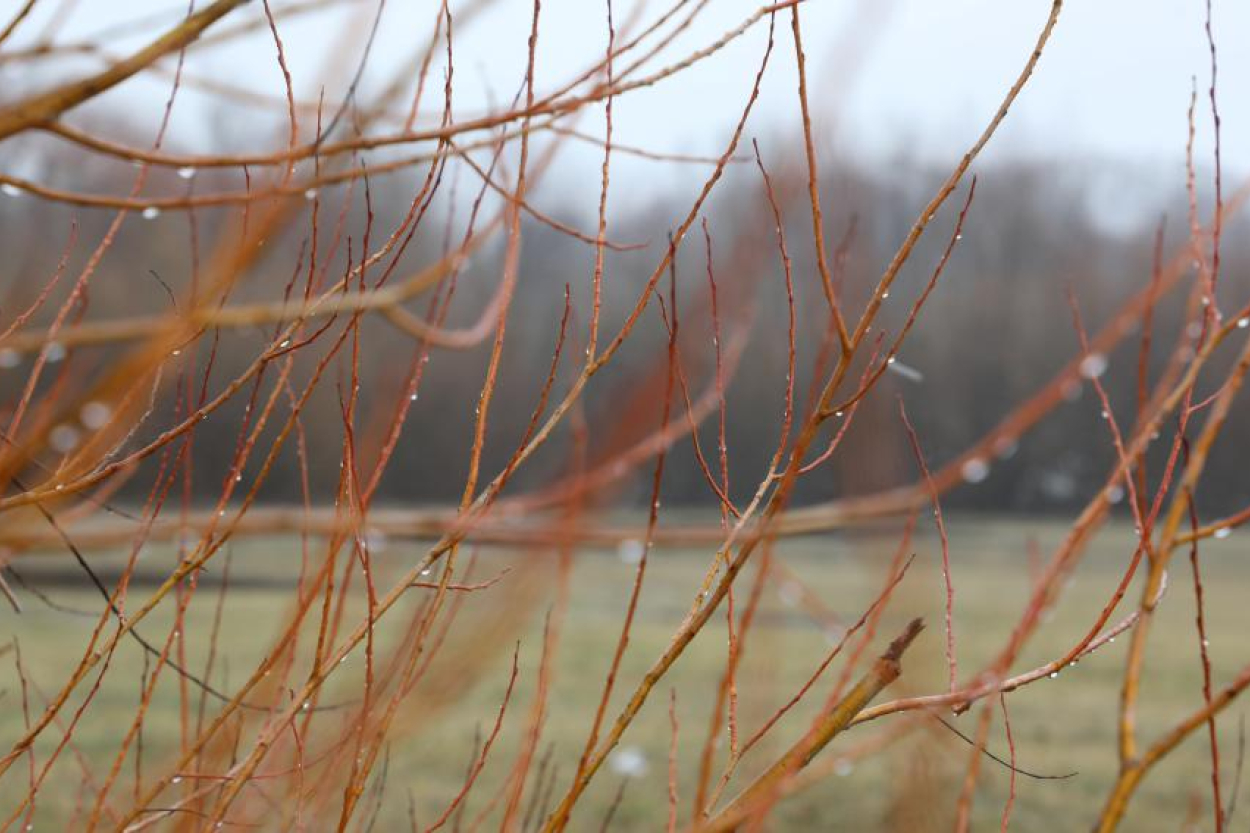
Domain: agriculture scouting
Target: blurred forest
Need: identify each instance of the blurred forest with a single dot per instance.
(998, 326)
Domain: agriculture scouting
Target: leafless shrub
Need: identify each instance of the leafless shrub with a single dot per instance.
(300, 293)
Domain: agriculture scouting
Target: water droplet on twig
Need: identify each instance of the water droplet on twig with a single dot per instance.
(1093, 365)
(975, 470)
(630, 550)
(63, 438)
(94, 415)
(908, 372)
(629, 761)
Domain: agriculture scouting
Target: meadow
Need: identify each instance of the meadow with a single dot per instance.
(819, 585)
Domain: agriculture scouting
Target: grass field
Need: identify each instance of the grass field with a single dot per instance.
(1061, 725)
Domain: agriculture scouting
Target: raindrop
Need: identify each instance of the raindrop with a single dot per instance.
(1053, 674)
(885, 295)
(412, 398)
(959, 236)
(375, 540)
(975, 470)
(1223, 532)
(1206, 643)
(1106, 414)
(186, 173)
(63, 438)
(307, 705)
(1115, 494)
(838, 414)
(426, 571)
(151, 212)
(790, 593)
(177, 779)
(94, 415)
(54, 352)
(1093, 365)
(1242, 323)
(629, 761)
(908, 372)
(630, 550)
(286, 342)
(9, 358)
(310, 194)
(10, 190)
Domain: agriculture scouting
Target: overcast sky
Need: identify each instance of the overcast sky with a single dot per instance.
(916, 77)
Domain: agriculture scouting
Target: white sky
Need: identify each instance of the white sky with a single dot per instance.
(917, 77)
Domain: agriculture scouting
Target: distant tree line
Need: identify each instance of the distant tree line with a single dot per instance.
(999, 325)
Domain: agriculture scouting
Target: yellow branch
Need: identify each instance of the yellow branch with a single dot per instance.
(763, 792)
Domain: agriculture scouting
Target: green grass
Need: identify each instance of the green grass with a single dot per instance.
(1059, 725)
